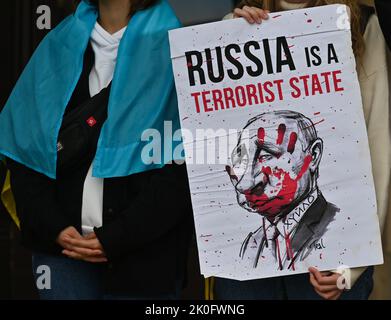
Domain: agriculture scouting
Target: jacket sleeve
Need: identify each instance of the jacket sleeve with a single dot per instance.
(166, 206)
(35, 198)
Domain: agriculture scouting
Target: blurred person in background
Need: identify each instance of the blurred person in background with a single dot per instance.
(371, 56)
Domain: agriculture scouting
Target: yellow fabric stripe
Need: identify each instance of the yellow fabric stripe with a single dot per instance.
(209, 288)
(8, 199)
(212, 289)
(207, 282)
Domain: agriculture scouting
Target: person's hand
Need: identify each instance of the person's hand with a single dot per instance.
(81, 248)
(86, 248)
(325, 284)
(251, 14)
(68, 233)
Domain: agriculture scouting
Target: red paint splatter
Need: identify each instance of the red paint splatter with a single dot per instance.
(267, 170)
(277, 16)
(289, 250)
(316, 113)
(304, 168)
(323, 120)
(320, 256)
(206, 235)
(185, 118)
(261, 136)
(309, 20)
(278, 254)
(281, 133)
(292, 142)
(291, 46)
(316, 123)
(273, 205)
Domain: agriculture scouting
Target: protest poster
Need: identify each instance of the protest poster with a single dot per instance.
(276, 145)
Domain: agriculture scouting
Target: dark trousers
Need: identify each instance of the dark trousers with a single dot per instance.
(297, 287)
(71, 279)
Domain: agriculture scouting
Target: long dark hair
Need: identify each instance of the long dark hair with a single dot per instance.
(137, 5)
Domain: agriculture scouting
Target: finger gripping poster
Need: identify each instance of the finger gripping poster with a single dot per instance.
(276, 145)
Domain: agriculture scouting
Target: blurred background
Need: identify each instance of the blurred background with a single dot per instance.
(19, 20)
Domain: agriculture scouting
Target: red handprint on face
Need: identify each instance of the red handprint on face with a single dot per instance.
(271, 182)
(275, 167)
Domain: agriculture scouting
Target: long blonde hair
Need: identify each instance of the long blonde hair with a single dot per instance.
(356, 22)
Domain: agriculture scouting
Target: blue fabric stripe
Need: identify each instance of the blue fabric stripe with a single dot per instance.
(142, 94)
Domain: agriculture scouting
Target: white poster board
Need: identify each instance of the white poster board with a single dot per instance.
(276, 145)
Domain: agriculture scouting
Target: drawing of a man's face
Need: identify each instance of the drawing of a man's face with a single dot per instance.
(275, 163)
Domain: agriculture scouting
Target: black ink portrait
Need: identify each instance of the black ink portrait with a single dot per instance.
(275, 168)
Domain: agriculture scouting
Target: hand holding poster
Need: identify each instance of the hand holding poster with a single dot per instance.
(276, 145)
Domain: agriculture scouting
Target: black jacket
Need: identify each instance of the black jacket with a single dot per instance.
(147, 217)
